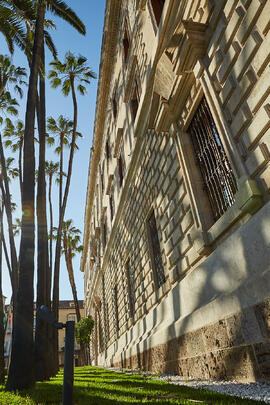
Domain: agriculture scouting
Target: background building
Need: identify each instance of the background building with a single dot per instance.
(67, 313)
(177, 242)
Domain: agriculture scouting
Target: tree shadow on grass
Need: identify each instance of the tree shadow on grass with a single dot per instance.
(121, 390)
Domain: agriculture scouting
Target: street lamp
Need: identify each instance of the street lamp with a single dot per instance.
(44, 313)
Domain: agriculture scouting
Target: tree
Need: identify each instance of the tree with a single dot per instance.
(52, 169)
(66, 75)
(21, 372)
(83, 330)
(62, 129)
(8, 105)
(11, 74)
(12, 16)
(14, 134)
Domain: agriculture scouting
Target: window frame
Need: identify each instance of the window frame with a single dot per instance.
(152, 253)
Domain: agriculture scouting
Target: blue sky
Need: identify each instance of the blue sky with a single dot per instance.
(67, 39)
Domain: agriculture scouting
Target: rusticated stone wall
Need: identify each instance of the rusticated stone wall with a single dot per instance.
(235, 347)
(211, 317)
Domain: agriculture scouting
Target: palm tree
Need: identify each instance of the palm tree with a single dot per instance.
(8, 106)
(11, 74)
(15, 132)
(66, 74)
(22, 358)
(51, 170)
(62, 129)
(12, 16)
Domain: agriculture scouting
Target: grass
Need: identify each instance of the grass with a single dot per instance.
(94, 385)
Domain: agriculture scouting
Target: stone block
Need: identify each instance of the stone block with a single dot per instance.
(229, 8)
(263, 22)
(216, 62)
(259, 92)
(261, 61)
(247, 54)
(215, 336)
(228, 88)
(258, 126)
(177, 235)
(187, 222)
(257, 159)
(197, 367)
(244, 87)
(234, 325)
(228, 62)
(232, 27)
(252, 14)
(262, 312)
(262, 353)
(173, 275)
(238, 363)
(240, 121)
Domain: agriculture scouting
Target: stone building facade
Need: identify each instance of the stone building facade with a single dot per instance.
(177, 223)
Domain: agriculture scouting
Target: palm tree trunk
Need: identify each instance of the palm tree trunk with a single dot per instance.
(2, 329)
(20, 166)
(62, 215)
(21, 371)
(43, 275)
(51, 223)
(7, 202)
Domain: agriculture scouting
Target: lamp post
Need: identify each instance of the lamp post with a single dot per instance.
(44, 313)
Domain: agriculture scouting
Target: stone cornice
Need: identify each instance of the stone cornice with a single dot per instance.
(109, 41)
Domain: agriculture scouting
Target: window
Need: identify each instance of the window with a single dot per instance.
(135, 101)
(100, 335)
(218, 180)
(157, 8)
(114, 107)
(105, 312)
(104, 233)
(126, 41)
(120, 170)
(155, 251)
(71, 317)
(131, 288)
(111, 207)
(102, 178)
(115, 297)
(107, 150)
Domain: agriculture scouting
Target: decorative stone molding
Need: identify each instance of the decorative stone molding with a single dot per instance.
(248, 200)
(191, 47)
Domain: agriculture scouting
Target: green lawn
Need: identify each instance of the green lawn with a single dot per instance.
(103, 387)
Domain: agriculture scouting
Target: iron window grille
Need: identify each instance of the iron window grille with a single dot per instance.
(111, 207)
(131, 289)
(156, 256)
(120, 170)
(218, 179)
(126, 42)
(135, 101)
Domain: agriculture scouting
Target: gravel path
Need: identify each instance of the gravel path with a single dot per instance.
(250, 390)
(253, 390)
